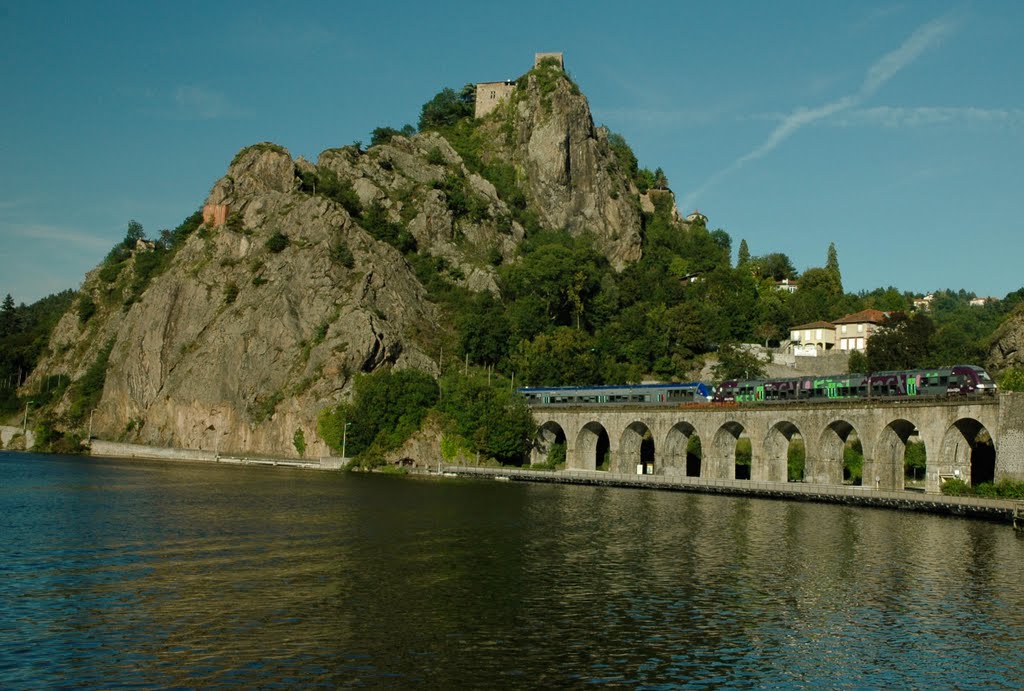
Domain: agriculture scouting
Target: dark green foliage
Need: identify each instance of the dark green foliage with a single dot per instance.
(435, 157)
(903, 343)
(1012, 379)
(326, 183)
(914, 460)
(496, 422)
(858, 363)
(383, 135)
(461, 202)
(88, 389)
(378, 224)
(447, 107)
(24, 336)
(86, 308)
(299, 441)
(341, 254)
(484, 330)
(566, 356)
(230, 293)
(775, 266)
(234, 222)
(1004, 489)
(796, 457)
(735, 362)
(277, 242)
(387, 407)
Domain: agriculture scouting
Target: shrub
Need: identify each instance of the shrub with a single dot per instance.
(435, 157)
(86, 308)
(299, 440)
(277, 242)
(88, 389)
(230, 293)
(341, 254)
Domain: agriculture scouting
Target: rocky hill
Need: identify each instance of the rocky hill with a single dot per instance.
(302, 275)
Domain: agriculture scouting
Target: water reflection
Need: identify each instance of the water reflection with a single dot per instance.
(151, 574)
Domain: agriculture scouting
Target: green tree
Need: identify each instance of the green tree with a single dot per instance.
(736, 362)
(902, 343)
(832, 264)
(858, 363)
(565, 357)
(496, 422)
(1012, 379)
(387, 406)
(447, 107)
(743, 258)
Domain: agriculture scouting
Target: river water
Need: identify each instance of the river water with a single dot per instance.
(116, 573)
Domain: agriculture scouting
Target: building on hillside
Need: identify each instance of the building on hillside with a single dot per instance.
(788, 285)
(809, 339)
(490, 94)
(924, 304)
(697, 216)
(981, 302)
(854, 330)
(538, 58)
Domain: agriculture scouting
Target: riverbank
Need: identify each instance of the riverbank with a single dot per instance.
(109, 449)
(999, 510)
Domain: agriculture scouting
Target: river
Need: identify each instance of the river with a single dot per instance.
(129, 573)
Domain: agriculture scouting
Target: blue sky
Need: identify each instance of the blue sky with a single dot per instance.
(895, 130)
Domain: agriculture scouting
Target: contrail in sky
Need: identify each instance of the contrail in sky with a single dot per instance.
(877, 75)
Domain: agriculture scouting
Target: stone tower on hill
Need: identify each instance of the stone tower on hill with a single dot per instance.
(490, 94)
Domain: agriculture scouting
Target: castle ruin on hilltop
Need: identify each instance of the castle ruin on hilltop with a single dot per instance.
(490, 94)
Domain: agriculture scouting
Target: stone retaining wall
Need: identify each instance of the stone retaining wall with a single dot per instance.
(8, 433)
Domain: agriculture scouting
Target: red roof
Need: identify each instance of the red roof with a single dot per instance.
(813, 325)
(864, 317)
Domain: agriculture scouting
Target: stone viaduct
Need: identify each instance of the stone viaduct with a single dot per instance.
(976, 440)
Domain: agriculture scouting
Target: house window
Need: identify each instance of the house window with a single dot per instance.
(860, 328)
(493, 94)
(795, 336)
(817, 334)
(807, 335)
(860, 344)
(844, 328)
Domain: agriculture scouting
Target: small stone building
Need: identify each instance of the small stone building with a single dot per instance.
(490, 94)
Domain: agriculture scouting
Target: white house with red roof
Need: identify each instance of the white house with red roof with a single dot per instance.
(854, 330)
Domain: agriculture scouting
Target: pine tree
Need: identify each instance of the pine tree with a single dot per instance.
(832, 264)
(744, 255)
(8, 318)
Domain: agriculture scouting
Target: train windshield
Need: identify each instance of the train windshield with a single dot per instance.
(983, 376)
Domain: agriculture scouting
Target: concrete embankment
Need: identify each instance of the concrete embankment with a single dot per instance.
(109, 449)
(9, 434)
(1002, 510)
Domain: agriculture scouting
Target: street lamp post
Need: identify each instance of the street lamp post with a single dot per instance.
(344, 439)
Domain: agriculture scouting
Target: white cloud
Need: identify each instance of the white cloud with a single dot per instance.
(884, 69)
(888, 116)
(200, 103)
(70, 236)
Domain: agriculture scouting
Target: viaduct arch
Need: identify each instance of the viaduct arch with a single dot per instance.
(976, 440)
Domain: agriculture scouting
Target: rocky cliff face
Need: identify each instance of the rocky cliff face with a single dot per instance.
(1008, 342)
(267, 312)
(569, 171)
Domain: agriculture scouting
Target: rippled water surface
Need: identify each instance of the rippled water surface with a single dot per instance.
(130, 573)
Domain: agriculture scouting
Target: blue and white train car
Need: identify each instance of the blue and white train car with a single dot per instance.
(665, 394)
